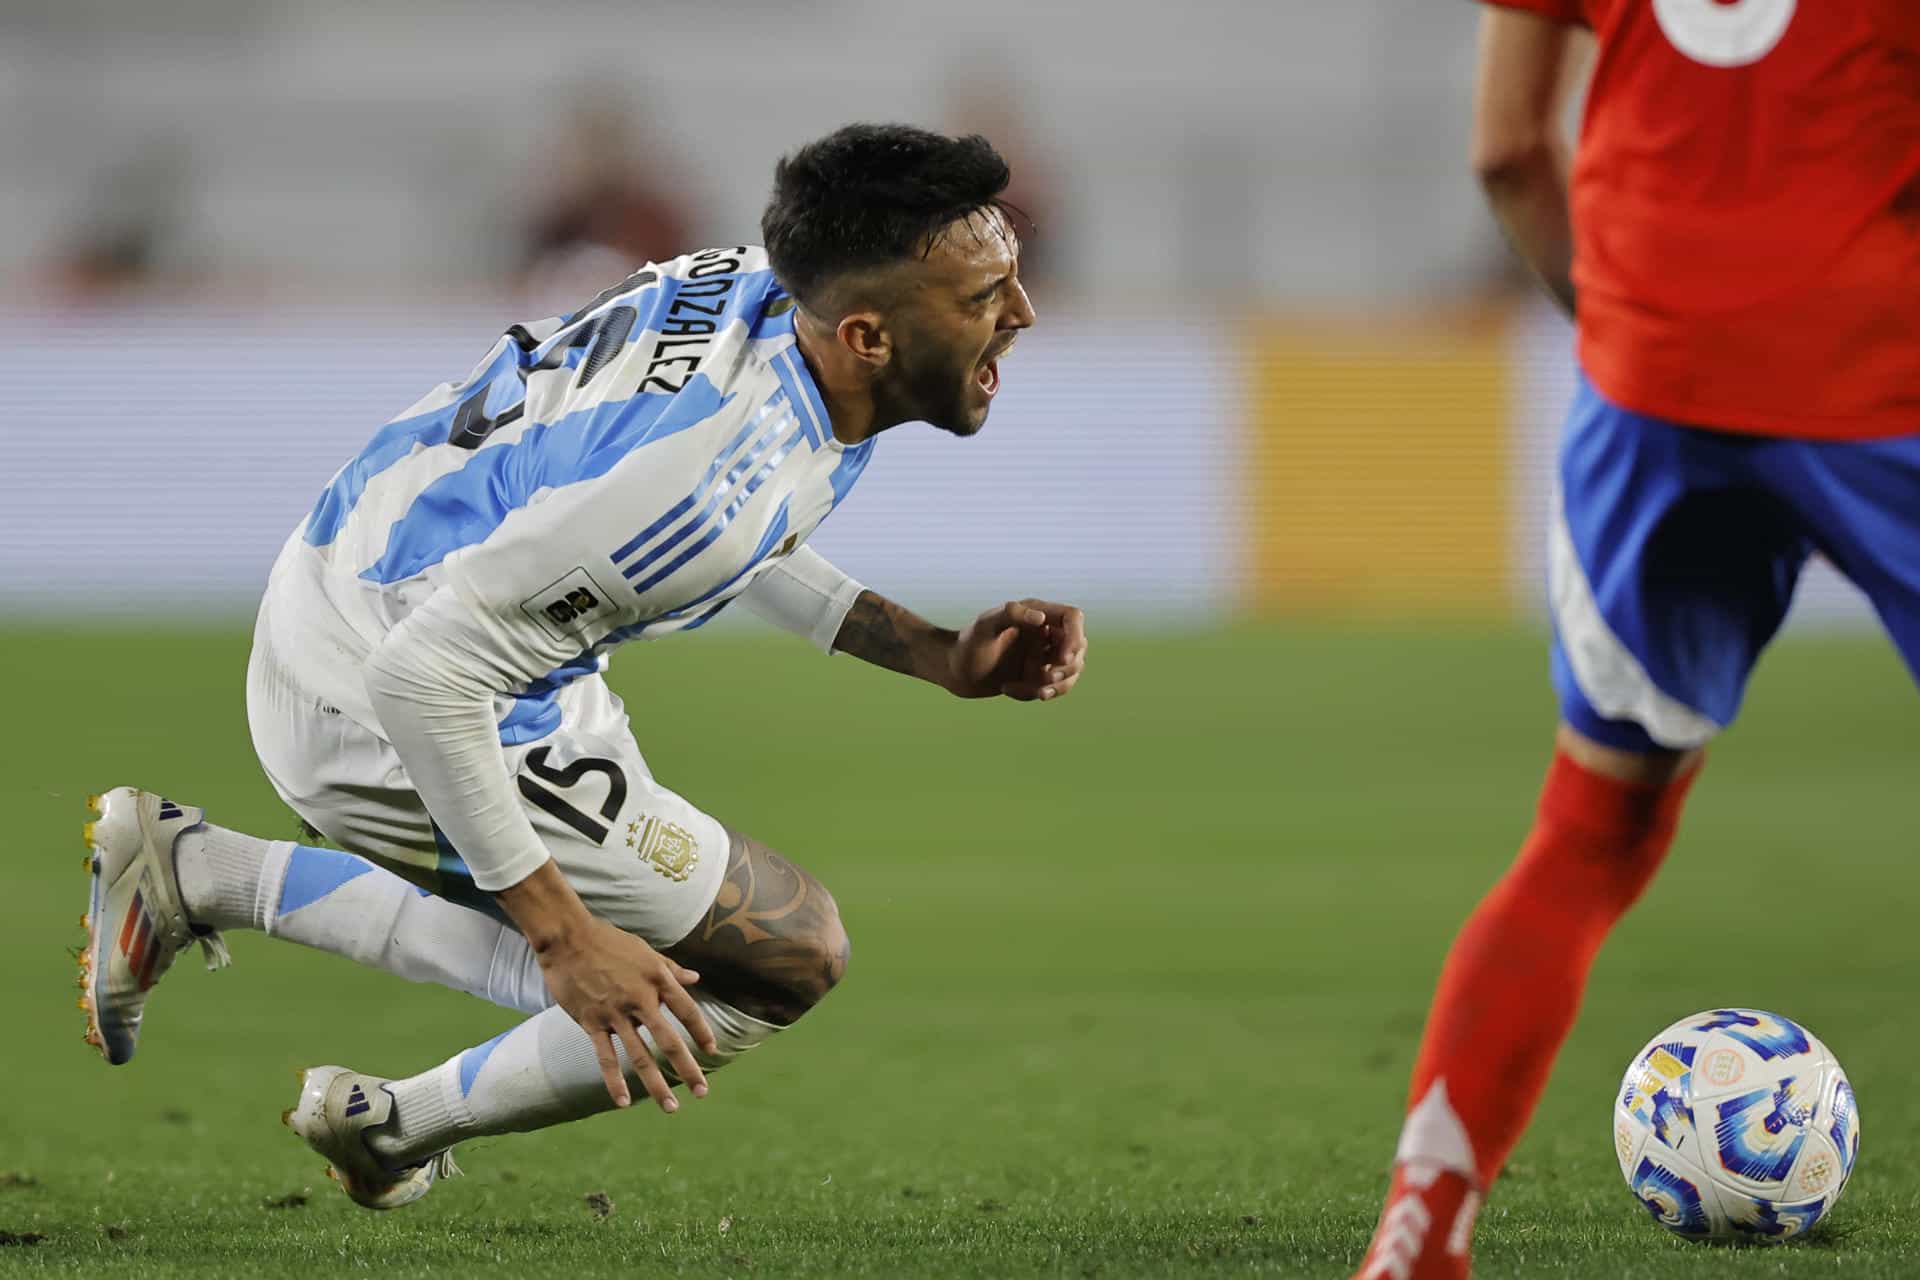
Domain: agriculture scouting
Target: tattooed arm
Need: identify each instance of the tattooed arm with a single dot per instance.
(1027, 649)
(888, 635)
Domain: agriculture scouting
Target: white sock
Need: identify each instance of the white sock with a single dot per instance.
(225, 876)
(344, 904)
(541, 1073)
(338, 902)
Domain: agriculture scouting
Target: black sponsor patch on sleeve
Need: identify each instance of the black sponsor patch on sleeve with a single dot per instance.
(564, 607)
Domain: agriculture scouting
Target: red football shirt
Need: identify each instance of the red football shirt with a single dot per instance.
(1746, 212)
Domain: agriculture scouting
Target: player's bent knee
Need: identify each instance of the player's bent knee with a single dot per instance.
(772, 943)
(811, 958)
(832, 948)
(810, 964)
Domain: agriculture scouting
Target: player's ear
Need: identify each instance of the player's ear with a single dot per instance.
(864, 333)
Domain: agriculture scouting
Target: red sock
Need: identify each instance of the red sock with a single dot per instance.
(1513, 980)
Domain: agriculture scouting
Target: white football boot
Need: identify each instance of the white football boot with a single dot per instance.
(136, 924)
(336, 1108)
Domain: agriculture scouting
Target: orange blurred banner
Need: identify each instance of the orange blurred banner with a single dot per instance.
(1378, 465)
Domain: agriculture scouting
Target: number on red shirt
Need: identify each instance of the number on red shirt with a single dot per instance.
(1722, 34)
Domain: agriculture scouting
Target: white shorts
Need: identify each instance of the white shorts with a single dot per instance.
(639, 856)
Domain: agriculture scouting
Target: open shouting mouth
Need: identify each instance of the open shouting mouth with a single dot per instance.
(988, 375)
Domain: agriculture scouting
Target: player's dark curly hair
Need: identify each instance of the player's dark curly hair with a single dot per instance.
(870, 194)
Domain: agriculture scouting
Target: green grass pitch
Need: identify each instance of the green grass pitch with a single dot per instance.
(1136, 979)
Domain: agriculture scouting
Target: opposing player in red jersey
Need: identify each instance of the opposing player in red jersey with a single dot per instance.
(1740, 245)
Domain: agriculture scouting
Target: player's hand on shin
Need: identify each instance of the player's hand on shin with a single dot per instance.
(1029, 650)
(613, 984)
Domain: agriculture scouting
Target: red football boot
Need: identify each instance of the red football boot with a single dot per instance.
(1426, 1229)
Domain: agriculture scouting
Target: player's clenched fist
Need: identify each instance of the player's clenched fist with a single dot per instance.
(612, 984)
(1032, 650)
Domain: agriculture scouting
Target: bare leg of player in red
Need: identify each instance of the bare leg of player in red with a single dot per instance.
(1509, 993)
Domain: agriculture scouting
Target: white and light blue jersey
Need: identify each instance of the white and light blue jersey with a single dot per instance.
(624, 471)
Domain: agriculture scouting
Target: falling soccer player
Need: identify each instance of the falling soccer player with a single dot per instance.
(1740, 247)
(425, 686)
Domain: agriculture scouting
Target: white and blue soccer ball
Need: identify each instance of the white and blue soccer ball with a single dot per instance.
(1736, 1125)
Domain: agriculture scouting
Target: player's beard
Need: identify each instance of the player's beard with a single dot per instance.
(931, 385)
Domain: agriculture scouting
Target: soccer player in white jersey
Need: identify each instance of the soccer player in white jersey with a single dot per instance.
(425, 685)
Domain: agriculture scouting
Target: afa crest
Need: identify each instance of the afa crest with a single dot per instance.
(666, 847)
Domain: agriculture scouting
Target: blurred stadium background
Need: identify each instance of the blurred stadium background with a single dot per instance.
(1286, 430)
(1285, 364)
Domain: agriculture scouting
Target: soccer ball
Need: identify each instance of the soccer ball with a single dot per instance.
(1736, 1125)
